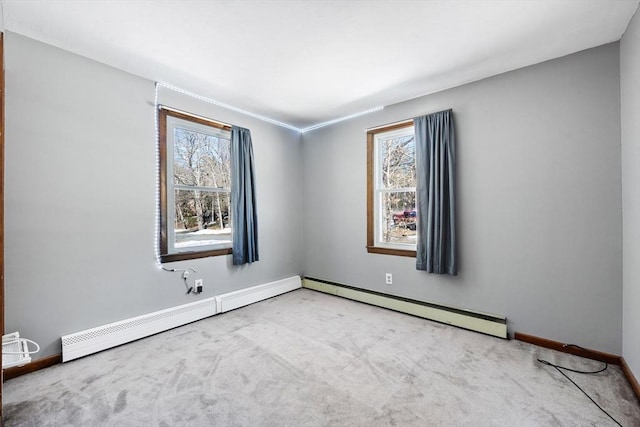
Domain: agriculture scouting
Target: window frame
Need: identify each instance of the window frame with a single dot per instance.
(163, 119)
(372, 212)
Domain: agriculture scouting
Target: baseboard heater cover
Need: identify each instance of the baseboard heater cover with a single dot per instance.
(236, 299)
(92, 340)
(485, 323)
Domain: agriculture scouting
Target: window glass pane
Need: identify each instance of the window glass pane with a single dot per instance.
(202, 218)
(398, 161)
(200, 159)
(399, 217)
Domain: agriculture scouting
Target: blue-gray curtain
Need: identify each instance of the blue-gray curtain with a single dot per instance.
(435, 190)
(244, 220)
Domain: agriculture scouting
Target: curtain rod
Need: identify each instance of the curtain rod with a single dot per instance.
(401, 122)
(406, 121)
(195, 116)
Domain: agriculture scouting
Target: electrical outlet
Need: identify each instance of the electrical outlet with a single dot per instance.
(389, 279)
(198, 286)
(185, 274)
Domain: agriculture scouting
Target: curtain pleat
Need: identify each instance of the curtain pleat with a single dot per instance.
(244, 218)
(435, 190)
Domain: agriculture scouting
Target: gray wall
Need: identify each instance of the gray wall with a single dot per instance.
(539, 197)
(80, 197)
(630, 106)
(539, 201)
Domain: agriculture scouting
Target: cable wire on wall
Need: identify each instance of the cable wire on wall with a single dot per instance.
(156, 234)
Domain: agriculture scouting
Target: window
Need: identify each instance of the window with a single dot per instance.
(391, 190)
(195, 187)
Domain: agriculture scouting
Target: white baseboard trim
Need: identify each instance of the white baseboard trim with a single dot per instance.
(92, 340)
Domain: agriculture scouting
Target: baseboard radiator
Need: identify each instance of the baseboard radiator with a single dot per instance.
(92, 340)
(485, 323)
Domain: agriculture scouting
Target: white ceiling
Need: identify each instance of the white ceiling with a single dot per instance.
(305, 62)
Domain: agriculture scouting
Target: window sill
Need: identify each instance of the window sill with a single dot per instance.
(182, 256)
(388, 251)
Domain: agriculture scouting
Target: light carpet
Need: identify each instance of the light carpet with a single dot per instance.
(310, 359)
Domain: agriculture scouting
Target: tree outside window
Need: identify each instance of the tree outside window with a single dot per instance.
(391, 195)
(195, 187)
